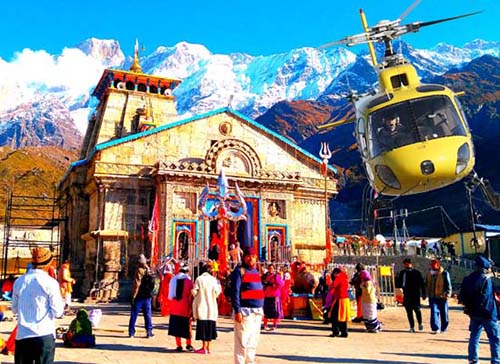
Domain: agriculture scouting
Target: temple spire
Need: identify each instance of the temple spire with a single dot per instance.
(136, 67)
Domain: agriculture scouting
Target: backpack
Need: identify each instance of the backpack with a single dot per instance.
(148, 286)
(228, 290)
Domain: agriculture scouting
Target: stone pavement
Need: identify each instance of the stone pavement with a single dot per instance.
(294, 342)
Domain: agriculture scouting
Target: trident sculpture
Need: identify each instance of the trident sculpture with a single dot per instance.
(221, 206)
(325, 154)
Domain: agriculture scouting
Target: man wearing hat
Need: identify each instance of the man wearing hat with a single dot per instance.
(476, 294)
(412, 283)
(247, 294)
(37, 302)
(438, 285)
(141, 298)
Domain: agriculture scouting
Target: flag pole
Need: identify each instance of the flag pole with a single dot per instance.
(326, 154)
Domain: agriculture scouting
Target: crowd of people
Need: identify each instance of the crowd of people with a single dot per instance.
(258, 298)
(359, 245)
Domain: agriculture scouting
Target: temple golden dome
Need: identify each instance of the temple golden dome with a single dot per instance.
(136, 67)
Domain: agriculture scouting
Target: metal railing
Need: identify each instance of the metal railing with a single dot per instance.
(383, 278)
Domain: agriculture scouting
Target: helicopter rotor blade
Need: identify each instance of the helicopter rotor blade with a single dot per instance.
(333, 44)
(410, 8)
(388, 30)
(351, 40)
(415, 27)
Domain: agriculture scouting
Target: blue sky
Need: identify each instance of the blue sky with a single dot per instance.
(257, 27)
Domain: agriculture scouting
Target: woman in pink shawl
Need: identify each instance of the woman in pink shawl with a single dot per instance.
(272, 283)
(181, 308)
(369, 302)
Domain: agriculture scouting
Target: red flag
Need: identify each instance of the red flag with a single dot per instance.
(328, 246)
(153, 228)
(323, 168)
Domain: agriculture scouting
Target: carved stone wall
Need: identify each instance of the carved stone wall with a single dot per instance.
(176, 161)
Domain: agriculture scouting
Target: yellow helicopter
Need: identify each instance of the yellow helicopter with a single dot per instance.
(413, 137)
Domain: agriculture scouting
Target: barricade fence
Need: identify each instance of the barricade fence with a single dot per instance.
(383, 278)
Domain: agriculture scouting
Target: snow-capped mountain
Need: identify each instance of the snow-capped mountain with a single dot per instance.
(252, 84)
(45, 121)
(108, 52)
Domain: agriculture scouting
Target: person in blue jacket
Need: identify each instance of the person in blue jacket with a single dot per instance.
(477, 296)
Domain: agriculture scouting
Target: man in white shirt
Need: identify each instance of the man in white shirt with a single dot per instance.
(37, 301)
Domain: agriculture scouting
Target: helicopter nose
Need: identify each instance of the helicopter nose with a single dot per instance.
(427, 167)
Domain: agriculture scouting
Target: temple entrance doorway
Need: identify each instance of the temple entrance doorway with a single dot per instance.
(184, 240)
(245, 232)
(276, 248)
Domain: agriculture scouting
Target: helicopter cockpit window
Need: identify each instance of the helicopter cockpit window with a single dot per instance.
(399, 80)
(413, 121)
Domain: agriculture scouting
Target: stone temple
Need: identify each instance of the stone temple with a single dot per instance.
(142, 168)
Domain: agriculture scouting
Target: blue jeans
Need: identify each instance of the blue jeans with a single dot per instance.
(144, 305)
(439, 314)
(476, 327)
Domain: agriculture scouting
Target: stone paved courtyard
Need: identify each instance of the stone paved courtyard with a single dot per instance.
(294, 342)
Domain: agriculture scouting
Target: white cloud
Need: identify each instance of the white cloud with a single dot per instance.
(72, 69)
(67, 76)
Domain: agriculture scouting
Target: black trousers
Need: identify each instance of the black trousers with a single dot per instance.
(38, 350)
(338, 328)
(409, 313)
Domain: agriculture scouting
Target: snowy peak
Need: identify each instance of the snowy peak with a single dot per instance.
(107, 51)
(479, 47)
(253, 83)
(178, 61)
(43, 121)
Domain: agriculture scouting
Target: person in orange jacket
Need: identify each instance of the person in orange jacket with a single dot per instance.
(66, 284)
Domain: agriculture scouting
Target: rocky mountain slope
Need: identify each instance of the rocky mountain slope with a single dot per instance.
(45, 121)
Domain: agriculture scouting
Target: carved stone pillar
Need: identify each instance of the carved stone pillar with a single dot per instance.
(111, 269)
(89, 264)
(102, 263)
